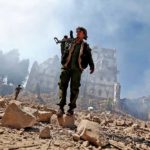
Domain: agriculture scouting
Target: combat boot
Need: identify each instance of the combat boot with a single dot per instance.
(70, 112)
(60, 112)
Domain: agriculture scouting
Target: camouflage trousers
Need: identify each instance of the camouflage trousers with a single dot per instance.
(16, 95)
(73, 76)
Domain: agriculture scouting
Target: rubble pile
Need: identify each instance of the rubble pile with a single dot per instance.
(27, 126)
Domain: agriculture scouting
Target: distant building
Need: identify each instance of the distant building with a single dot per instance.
(103, 83)
(44, 76)
(5, 89)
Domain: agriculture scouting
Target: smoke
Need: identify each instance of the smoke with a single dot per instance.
(141, 89)
(124, 25)
(12, 68)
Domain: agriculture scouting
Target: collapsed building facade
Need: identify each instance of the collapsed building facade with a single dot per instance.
(43, 77)
(5, 89)
(138, 107)
(102, 84)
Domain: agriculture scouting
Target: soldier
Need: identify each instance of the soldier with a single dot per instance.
(17, 91)
(74, 60)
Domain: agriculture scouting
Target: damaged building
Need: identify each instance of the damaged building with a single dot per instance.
(44, 77)
(5, 89)
(137, 107)
(102, 84)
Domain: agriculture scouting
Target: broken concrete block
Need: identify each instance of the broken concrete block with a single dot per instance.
(54, 120)
(64, 121)
(85, 143)
(16, 102)
(45, 133)
(1, 131)
(15, 117)
(31, 111)
(90, 131)
(88, 117)
(128, 122)
(2, 103)
(135, 126)
(120, 122)
(76, 137)
(43, 116)
(96, 119)
(128, 130)
(1, 115)
(67, 121)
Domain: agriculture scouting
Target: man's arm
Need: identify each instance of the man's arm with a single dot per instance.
(91, 63)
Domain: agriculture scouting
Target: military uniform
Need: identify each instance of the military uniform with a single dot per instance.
(17, 91)
(74, 61)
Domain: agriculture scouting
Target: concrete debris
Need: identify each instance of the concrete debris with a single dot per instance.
(31, 126)
(45, 133)
(15, 117)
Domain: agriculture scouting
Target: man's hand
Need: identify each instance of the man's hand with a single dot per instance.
(91, 70)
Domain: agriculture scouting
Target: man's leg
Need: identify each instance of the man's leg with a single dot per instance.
(16, 95)
(63, 85)
(74, 89)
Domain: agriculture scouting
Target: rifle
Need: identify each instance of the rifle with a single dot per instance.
(65, 39)
(65, 42)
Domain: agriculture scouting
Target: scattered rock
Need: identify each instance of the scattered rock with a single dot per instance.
(96, 119)
(57, 143)
(2, 103)
(144, 147)
(54, 120)
(128, 130)
(148, 124)
(122, 130)
(104, 122)
(143, 124)
(21, 131)
(70, 132)
(45, 133)
(88, 117)
(120, 122)
(67, 121)
(90, 131)
(85, 143)
(15, 117)
(31, 111)
(119, 145)
(128, 122)
(1, 131)
(135, 126)
(44, 116)
(1, 115)
(64, 121)
(18, 103)
(76, 137)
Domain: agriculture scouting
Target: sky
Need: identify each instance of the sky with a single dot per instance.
(30, 27)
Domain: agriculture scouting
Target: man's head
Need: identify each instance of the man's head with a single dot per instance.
(81, 33)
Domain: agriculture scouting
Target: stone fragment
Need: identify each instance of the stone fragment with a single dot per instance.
(15, 117)
(45, 133)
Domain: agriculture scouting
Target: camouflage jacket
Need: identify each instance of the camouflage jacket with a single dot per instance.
(85, 56)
